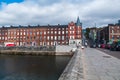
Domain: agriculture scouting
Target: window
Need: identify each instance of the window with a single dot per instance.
(117, 37)
(55, 37)
(51, 28)
(62, 32)
(66, 32)
(112, 31)
(48, 37)
(51, 32)
(17, 33)
(62, 37)
(44, 32)
(41, 32)
(40, 37)
(20, 33)
(48, 32)
(66, 28)
(51, 37)
(58, 37)
(55, 32)
(59, 32)
(24, 33)
(37, 33)
(73, 32)
(5, 38)
(30, 32)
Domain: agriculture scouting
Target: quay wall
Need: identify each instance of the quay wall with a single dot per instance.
(41, 50)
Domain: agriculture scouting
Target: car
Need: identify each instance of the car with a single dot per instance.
(108, 45)
(93, 45)
(102, 46)
(118, 47)
(115, 46)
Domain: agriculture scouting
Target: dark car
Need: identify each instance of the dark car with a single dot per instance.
(107, 46)
(93, 45)
(115, 46)
(118, 47)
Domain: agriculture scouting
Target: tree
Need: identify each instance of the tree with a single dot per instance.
(87, 33)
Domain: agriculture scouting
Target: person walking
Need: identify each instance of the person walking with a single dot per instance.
(86, 44)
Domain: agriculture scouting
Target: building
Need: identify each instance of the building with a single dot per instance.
(42, 35)
(92, 34)
(110, 33)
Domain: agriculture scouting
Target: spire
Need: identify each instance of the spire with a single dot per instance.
(78, 22)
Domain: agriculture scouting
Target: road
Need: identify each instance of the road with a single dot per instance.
(100, 66)
(112, 53)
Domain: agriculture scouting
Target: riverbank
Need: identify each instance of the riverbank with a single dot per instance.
(39, 53)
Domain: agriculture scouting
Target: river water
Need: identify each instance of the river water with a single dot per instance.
(32, 67)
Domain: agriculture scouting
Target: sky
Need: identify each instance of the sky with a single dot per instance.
(43, 12)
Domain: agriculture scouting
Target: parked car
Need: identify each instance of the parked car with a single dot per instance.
(93, 45)
(108, 45)
(102, 45)
(118, 47)
(115, 46)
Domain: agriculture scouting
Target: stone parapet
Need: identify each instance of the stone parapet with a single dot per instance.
(74, 69)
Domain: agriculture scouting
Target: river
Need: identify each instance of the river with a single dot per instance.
(32, 67)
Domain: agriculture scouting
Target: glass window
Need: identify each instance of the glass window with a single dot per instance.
(55, 32)
(48, 32)
(51, 32)
(55, 37)
(62, 37)
(58, 37)
(44, 32)
(112, 31)
(51, 37)
(62, 32)
(40, 32)
(59, 32)
(48, 37)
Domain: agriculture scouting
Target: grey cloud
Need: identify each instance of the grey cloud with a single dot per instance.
(43, 12)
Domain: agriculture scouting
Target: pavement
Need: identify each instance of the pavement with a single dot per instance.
(100, 66)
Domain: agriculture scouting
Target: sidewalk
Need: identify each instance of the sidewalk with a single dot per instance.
(100, 66)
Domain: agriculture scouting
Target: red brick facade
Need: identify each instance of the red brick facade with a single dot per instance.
(40, 35)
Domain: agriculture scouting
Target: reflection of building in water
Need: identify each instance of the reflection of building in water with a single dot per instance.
(42, 35)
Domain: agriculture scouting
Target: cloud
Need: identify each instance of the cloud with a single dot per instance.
(43, 12)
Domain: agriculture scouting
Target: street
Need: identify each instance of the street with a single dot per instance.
(112, 53)
(100, 66)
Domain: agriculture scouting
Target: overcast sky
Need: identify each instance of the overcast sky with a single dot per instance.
(43, 12)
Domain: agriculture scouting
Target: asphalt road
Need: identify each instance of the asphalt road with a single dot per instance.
(112, 53)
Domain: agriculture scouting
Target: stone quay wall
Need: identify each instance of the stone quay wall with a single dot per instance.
(41, 50)
(74, 69)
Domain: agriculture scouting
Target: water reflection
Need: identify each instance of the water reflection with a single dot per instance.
(32, 67)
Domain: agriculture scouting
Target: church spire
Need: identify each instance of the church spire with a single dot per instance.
(78, 22)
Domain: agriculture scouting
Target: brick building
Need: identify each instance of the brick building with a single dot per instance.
(110, 33)
(42, 35)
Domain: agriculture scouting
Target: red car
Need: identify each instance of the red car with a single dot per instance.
(10, 45)
(102, 45)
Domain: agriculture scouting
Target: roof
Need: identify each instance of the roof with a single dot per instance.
(39, 26)
(78, 22)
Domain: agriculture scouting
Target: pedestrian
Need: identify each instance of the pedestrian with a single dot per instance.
(85, 44)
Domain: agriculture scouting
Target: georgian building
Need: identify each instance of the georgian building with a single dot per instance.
(42, 35)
